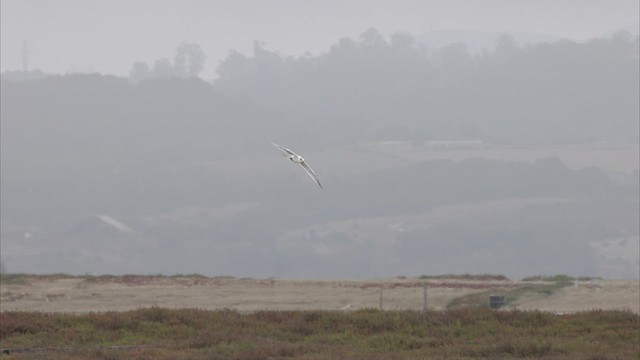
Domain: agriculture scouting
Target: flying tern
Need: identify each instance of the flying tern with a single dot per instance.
(298, 160)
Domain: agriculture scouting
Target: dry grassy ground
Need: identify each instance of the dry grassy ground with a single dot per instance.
(107, 293)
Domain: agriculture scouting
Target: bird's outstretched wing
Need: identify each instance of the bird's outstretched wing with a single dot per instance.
(311, 173)
(283, 148)
(304, 165)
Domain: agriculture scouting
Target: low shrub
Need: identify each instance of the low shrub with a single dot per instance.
(158, 333)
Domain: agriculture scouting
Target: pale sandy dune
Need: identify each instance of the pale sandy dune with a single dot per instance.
(120, 294)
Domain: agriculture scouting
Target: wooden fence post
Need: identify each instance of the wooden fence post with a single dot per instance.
(424, 298)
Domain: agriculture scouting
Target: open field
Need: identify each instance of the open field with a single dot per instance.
(197, 317)
(81, 294)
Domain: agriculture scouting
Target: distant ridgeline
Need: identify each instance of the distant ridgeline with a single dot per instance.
(398, 88)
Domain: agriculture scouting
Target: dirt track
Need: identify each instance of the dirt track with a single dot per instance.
(65, 294)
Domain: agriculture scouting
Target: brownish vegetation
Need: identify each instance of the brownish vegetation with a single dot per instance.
(159, 333)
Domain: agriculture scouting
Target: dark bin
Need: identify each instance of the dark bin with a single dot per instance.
(496, 301)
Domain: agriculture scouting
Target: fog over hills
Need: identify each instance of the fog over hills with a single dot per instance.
(479, 41)
(518, 160)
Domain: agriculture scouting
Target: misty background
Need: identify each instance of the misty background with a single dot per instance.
(442, 148)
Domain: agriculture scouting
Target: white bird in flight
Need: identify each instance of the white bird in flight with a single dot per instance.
(298, 160)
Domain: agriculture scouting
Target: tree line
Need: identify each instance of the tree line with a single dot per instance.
(377, 88)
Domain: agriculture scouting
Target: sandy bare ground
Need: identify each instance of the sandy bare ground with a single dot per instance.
(587, 295)
(80, 295)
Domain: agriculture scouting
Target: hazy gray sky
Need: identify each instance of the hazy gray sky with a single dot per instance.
(108, 36)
